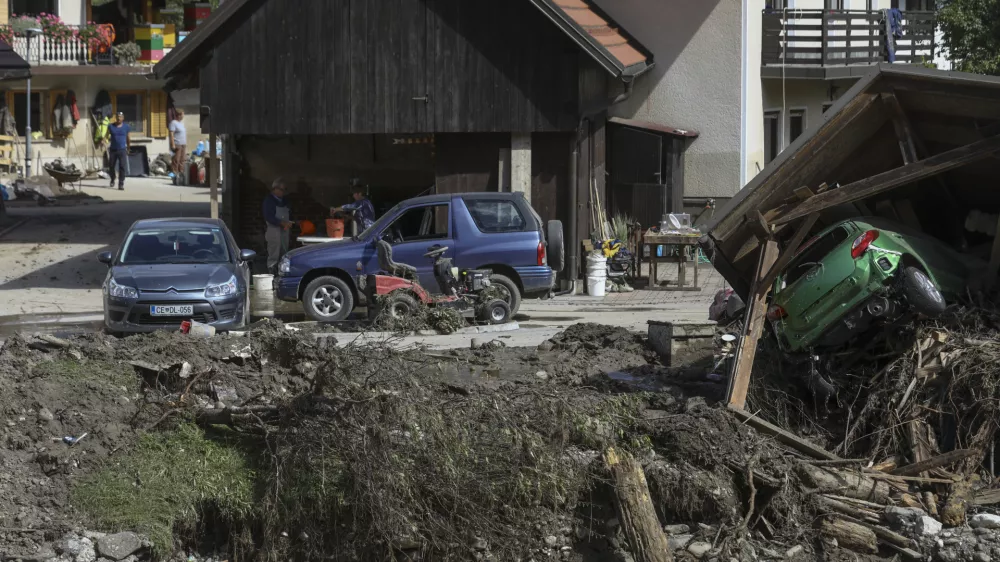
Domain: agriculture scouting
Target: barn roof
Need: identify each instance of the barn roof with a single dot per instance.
(590, 28)
(918, 145)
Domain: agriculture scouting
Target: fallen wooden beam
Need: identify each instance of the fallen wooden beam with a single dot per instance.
(753, 327)
(935, 462)
(903, 175)
(635, 509)
(837, 506)
(987, 497)
(801, 445)
(846, 483)
(849, 535)
(793, 245)
(904, 132)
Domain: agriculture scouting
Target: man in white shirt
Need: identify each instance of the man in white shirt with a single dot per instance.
(178, 141)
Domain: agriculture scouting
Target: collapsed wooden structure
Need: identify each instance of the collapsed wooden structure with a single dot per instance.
(912, 144)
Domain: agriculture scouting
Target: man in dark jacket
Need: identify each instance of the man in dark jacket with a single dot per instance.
(276, 215)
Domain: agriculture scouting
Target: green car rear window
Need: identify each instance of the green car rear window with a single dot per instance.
(814, 253)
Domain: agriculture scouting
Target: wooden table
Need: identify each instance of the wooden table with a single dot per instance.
(686, 243)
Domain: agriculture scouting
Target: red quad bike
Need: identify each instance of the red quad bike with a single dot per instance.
(467, 291)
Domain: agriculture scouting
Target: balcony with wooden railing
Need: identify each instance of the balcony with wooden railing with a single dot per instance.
(823, 39)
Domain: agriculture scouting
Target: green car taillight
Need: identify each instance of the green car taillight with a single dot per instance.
(862, 242)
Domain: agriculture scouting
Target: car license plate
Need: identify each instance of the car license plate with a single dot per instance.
(175, 310)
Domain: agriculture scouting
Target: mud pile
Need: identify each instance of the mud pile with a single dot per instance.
(273, 446)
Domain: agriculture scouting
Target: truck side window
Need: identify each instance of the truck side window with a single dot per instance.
(496, 215)
(419, 224)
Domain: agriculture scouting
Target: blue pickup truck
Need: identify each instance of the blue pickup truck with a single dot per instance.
(496, 231)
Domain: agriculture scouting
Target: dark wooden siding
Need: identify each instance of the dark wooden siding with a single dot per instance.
(355, 66)
(468, 163)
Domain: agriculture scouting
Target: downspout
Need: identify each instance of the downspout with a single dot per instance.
(572, 257)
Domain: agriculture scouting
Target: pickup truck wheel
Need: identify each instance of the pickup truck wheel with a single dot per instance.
(921, 293)
(328, 299)
(513, 296)
(556, 249)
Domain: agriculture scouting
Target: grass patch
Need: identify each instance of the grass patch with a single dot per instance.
(164, 482)
(100, 372)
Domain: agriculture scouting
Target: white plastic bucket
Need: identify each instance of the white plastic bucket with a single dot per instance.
(263, 282)
(597, 275)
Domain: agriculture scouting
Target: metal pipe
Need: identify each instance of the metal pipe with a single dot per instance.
(27, 119)
(574, 197)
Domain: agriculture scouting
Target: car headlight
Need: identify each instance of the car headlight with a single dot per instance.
(224, 290)
(284, 266)
(121, 291)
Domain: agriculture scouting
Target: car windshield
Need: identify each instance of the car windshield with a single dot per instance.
(175, 245)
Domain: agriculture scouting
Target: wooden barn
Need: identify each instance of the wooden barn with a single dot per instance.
(416, 97)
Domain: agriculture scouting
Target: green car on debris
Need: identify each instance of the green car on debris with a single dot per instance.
(858, 274)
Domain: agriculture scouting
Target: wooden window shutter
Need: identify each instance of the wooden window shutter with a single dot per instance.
(158, 114)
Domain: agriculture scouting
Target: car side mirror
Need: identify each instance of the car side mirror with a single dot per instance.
(247, 255)
(104, 257)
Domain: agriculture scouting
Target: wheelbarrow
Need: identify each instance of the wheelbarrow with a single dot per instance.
(63, 177)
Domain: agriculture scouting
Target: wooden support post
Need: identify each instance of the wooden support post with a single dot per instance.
(212, 175)
(753, 326)
(903, 175)
(910, 143)
(790, 249)
(904, 132)
(635, 508)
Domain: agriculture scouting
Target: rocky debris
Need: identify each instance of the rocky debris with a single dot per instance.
(119, 545)
(985, 521)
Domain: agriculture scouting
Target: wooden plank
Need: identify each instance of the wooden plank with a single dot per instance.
(935, 462)
(359, 99)
(803, 193)
(640, 524)
(739, 382)
(793, 245)
(801, 445)
(904, 131)
(903, 175)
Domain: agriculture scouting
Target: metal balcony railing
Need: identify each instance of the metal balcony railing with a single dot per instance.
(843, 37)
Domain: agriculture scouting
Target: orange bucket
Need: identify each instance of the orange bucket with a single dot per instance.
(335, 228)
(307, 227)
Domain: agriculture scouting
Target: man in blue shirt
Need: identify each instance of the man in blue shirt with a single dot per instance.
(362, 209)
(120, 142)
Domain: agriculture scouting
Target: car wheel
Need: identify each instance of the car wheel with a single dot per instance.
(556, 248)
(400, 305)
(513, 296)
(921, 293)
(328, 299)
(495, 312)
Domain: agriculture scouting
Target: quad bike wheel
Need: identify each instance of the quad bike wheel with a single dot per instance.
(496, 311)
(400, 305)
